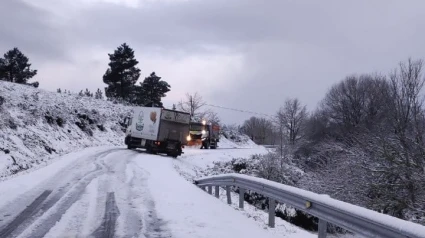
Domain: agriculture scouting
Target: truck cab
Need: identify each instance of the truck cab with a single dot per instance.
(204, 134)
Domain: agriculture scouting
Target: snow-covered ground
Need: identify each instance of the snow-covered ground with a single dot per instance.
(38, 125)
(69, 175)
(130, 193)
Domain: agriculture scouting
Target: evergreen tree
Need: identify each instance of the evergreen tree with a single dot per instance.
(174, 107)
(138, 96)
(14, 67)
(87, 93)
(153, 89)
(121, 74)
(98, 94)
(81, 94)
(59, 90)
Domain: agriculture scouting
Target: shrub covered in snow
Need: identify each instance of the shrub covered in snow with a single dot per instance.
(273, 167)
(269, 166)
(37, 125)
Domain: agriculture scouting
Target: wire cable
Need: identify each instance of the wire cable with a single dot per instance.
(239, 110)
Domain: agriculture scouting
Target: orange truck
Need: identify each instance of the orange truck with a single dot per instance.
(203, 134)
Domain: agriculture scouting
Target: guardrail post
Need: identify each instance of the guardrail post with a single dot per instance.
(210, 189)
(229, 198)
(241, 197)
(217, 191)
(272, 208)
(323, 225)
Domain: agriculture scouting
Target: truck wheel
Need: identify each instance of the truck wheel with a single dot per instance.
(130, 147)
(174, 155)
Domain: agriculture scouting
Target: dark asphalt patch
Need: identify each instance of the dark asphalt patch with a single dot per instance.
(107, 229)
(27, 213)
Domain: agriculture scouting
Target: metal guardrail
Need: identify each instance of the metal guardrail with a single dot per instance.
(350, 217)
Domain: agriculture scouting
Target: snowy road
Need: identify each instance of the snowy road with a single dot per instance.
(101, 194)
(114, 192)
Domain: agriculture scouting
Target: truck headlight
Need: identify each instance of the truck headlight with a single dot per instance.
(188, 138)
(203, 132)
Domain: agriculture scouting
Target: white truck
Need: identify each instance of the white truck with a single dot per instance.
(158, 130)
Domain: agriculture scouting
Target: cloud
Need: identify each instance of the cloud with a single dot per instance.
(245, 54)
(27, 28)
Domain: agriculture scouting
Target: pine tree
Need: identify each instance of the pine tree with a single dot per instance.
(87, 93)
(153, 89)
(98, 94)
(14, 67)
(138, 96)
(59, 90)
(174, 107)
(121, 74)
(81, 94)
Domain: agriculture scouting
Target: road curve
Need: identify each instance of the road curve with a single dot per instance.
(98, 195)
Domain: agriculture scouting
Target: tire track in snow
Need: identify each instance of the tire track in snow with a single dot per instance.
(61, 199)
(107, 229)
(117, 179)
(24, 215)
(152, 225)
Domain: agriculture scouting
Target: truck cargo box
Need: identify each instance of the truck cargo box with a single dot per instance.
(158, 130)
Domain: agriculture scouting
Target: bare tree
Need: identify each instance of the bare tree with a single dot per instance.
(260, 130)
(291, 120)
(399, 179)
(373, 151)
(193, 104)
(357, 101)
(212, 117)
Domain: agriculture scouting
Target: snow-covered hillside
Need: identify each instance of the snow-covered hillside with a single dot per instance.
(37, 125)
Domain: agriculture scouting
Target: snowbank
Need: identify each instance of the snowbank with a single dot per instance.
(190, 212)
(38, 125)
(231, 138)
(228, 143)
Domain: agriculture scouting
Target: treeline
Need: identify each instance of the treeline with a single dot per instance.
(364, 144)
(120, 78)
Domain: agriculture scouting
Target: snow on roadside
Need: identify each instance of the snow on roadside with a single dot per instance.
(190, 212)
(282, 228)
(226, 143)
(196, 162)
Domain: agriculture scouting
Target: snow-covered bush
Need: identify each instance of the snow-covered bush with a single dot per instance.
(272, 167)
(37, 125)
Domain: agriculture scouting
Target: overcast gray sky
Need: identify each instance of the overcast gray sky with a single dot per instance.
(245, 54)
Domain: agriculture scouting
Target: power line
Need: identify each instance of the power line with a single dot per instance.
(239, 110)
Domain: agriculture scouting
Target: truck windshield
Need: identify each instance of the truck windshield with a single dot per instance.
(195, 127)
